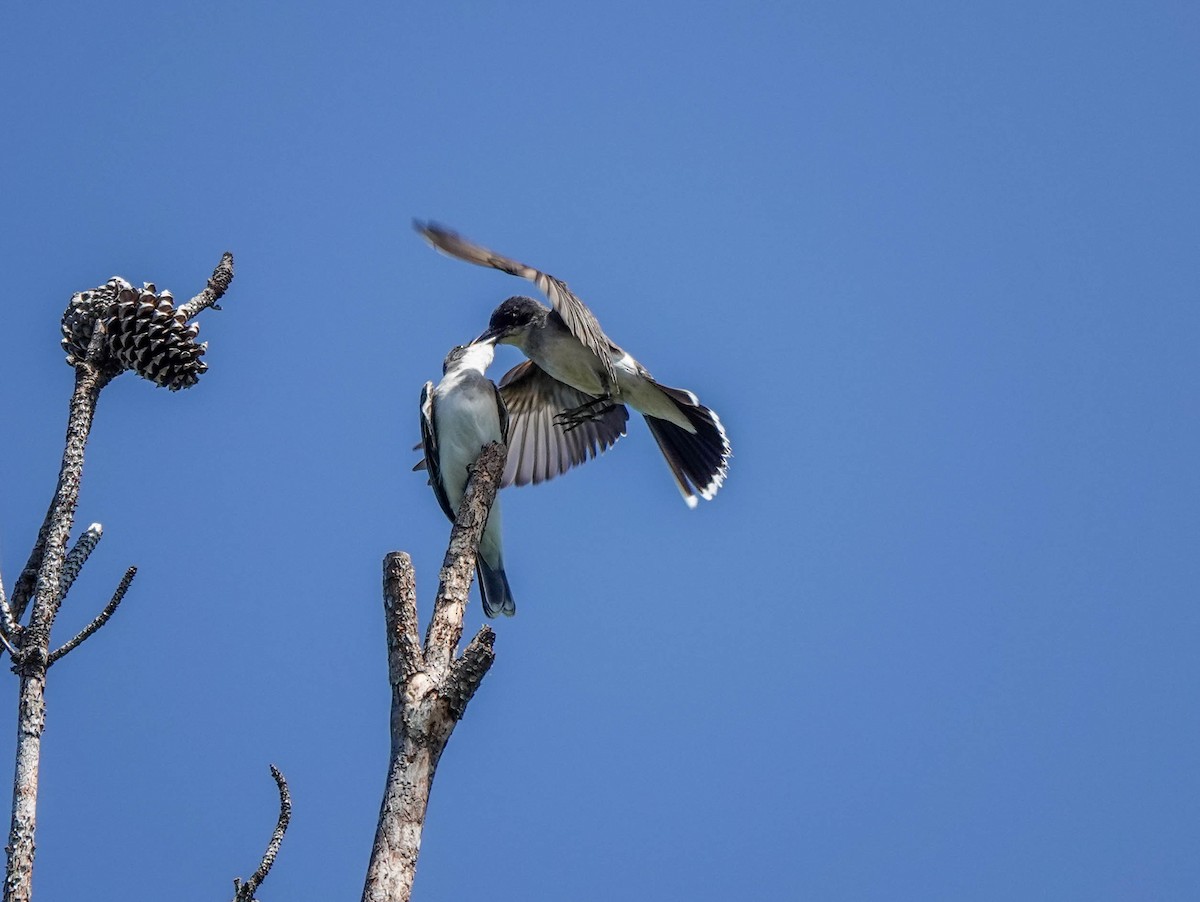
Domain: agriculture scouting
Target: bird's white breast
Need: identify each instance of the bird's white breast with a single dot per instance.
(466, 419)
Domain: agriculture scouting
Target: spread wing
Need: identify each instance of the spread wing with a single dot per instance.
(538, 448)
(429, 441)
(574, 312)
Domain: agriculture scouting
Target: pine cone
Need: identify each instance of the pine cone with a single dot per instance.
(85, 310)
(144, 333)
(147, 335)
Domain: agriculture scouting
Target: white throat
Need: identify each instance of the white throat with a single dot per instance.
(477, 357)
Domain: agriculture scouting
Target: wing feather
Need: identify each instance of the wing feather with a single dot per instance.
(429, 441)
(538, 448)
(578, 318)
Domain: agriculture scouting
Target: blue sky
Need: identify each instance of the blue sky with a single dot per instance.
(934, 265)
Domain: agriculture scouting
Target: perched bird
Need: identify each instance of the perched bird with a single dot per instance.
(458, 417)
(577, 378)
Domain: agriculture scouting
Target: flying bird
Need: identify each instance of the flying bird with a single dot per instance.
(458, 417)
(579, 379)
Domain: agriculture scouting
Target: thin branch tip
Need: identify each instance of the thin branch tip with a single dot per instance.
(285, 796)
(244, 892)
(100, 619)
(214, 289)
(78, 556)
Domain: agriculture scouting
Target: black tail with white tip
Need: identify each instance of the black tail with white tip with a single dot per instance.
(698, 460)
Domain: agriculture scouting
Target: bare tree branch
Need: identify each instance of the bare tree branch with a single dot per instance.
(8, 623)
(458, 566)
(78, 555)
(23, 588)
(400, 612)
(50, 570)
(430, 690)
(100, 620)
(218, 282)
(33, 657)
(244, 892)
(469, 670)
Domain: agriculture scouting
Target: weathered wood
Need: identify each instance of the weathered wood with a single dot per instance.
(244, 892)
(49, 573)
(100, 619)
(430, 687)
(34, 655)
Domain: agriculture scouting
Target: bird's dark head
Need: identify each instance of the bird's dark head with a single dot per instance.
(512, 320)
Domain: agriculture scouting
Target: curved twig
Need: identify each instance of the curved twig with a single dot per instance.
(244, 892)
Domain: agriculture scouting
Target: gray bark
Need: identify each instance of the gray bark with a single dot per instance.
(244, 892)
(43, 584)
(430, 686)
(34, 656)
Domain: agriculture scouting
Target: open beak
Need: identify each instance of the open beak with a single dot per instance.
(491, 336)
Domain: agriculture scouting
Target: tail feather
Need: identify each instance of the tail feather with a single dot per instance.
(493, 590)
(698, 460)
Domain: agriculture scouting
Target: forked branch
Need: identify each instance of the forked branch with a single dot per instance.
(430, 687)
(106, 330)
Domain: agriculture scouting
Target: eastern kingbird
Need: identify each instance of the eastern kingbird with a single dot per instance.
(578, 378)
(458, 418)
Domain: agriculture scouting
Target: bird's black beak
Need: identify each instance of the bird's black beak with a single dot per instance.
(491, 336)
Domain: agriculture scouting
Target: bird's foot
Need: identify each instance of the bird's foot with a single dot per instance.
(584, 413)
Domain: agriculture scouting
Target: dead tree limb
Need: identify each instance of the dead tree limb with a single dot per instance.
(106, 331)
(244, 892)
(23, 588)
(430, 687)
(218, 284)
(100, 619)
(7, 620)
(78, 555)
(33, 656)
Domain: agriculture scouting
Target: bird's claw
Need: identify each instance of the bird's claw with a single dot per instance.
(569, 420)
